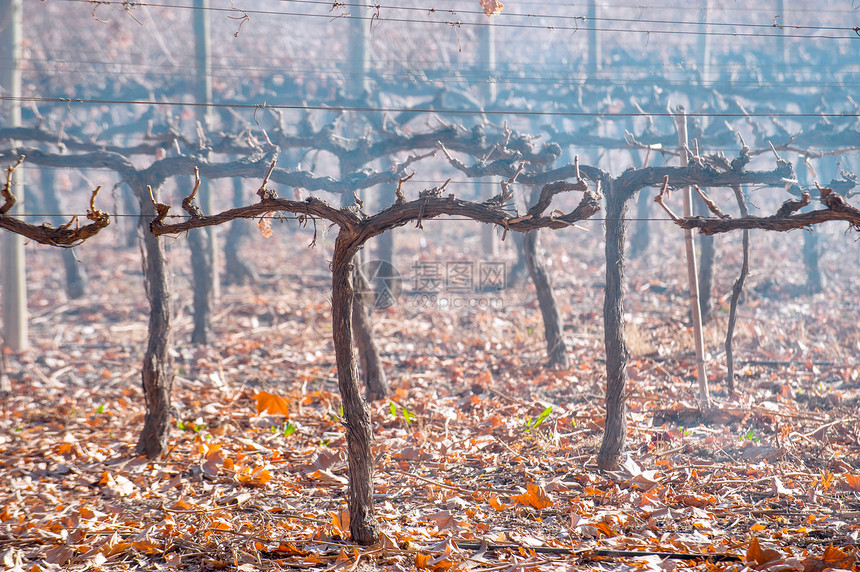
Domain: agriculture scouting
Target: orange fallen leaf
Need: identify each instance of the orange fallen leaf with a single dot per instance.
(253, 476)
(289, 549)
(497, 504)
(328, 477)
(761, 556)
(274, 404)
(428, 562)
(833, 557)
(535, 497)
(148, 546)
(340, 520)
(853, 481)
(695, 500)
(182, 504)
(443, 519)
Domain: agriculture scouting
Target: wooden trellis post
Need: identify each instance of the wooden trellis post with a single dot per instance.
(692, 271)
(11, 244)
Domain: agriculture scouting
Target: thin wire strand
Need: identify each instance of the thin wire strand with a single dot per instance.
(473, 76)
(850, 33)
(509, 14)
(68, 101)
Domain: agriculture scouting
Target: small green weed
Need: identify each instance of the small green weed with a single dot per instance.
(408, 416)
(529, 424)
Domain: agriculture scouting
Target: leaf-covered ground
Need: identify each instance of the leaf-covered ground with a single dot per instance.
(485, 459)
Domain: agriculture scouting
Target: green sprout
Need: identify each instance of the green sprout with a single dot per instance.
(289, 429)
(408, 416)
(530, 423)
(749, 436)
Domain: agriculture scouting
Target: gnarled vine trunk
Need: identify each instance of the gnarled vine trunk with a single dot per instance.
(362, 526)
(615, 429)
(552, 321)
(372, 372)
(156, 376)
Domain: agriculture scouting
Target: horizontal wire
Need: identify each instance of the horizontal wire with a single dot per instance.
(508, 14)
(68, 101)
(502, 81)
(639, 6)
(473, 76)
(850, 33)
(561, 70)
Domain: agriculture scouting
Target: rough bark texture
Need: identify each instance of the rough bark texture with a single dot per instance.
(201, 277)
(781, 223)
(615, 429)
(64, 237)
(156, 375)
(14, 303)
(362, 526)
(76, 275)
(372, 372)
(552, 321)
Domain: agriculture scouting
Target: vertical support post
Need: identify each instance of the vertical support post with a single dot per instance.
(595, 54)
(487, 60)
(359, 50)
(357, 82)
(12, 245)
(692, 271)
(704, 44)
(486, 71)
(783, 54)
(203, 95)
